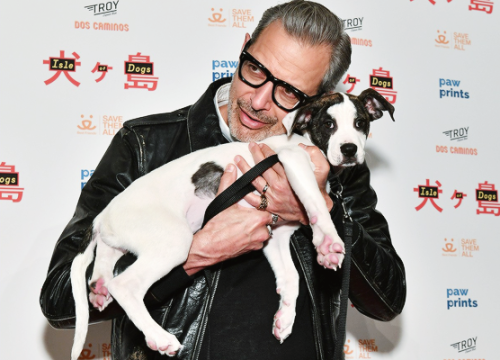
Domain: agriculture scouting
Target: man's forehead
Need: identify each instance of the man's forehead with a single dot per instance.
(291, 59)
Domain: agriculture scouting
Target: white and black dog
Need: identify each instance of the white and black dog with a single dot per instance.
(156, 216)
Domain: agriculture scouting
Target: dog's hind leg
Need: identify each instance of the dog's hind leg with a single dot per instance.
(105, 260)
(168, 249)
(278, 254)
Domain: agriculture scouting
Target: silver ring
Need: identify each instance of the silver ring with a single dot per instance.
(275, 219)
(269, 230)
(263, 202)
(265, 188)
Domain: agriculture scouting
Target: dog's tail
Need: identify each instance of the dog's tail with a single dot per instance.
(80, 294)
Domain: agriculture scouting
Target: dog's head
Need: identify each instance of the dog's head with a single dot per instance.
(339, 124)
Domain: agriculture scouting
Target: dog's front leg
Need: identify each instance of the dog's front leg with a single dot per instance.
(278, 254)
(299, 170)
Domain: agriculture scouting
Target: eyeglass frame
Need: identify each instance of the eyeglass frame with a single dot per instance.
(302, 97)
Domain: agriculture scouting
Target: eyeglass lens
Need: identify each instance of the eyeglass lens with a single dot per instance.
(284, 95)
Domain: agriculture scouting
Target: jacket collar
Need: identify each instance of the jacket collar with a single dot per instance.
(202, 121)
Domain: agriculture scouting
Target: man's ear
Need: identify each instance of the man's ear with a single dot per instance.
(375, 103)
(297, 119)
(247, 37)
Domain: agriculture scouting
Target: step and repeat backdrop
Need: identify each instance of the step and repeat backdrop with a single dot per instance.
(72, 72)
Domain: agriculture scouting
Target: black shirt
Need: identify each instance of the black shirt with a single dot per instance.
(241, 320)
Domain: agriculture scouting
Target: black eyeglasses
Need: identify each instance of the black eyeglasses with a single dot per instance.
(254, 74)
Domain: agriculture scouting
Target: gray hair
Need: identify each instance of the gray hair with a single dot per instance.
(314, 24)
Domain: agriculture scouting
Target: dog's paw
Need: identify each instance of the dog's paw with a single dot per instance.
(99, 296)
(283, 320)
(163, 342)
(331, 252)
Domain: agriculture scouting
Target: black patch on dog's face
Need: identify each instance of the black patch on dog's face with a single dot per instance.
(362, 119)
(321, 125)
(207, 179)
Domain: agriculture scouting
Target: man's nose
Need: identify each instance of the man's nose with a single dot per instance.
(262, 98)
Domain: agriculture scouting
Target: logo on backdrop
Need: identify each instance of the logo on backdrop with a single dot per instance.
(481, 5)
(487, 199)
(382, 81)
(466, 345)
(217, 17)
(450, 89)
(100, 11)
(140, 70)
(459, 196)
(103, 352)
(101, 68)
(351, 80)
(441, 40)
(223, 68)
(460, 40)
(467, 248)
(356, 24)
(433, 2)
(85, 176)
(63, 65)
(353, 24)
(474, 5)
(9, 183)
(429, 193)
(456, 150)
(363, 350)
(103, 9)
(459, 134)
(457, 298)
(103, 125)
(236, 18)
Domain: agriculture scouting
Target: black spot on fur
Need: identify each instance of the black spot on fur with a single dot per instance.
(207, 179)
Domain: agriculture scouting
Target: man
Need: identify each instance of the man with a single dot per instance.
(220, 302)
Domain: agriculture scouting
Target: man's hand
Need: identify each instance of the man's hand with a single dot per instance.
(281, 198)
(233, 232)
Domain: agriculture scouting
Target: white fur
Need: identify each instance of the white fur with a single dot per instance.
(156, 216)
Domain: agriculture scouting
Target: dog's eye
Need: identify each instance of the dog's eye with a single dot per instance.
(329, 124)
(360, 123)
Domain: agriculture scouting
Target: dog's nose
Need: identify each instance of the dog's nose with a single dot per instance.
(349, 149)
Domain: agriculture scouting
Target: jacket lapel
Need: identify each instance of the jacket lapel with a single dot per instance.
(202, 121)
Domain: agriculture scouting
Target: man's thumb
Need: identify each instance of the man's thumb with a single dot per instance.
(228, 177)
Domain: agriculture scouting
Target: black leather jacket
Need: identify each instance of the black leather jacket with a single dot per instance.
(181, 303)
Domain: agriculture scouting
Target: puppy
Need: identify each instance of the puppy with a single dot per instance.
(156, 216)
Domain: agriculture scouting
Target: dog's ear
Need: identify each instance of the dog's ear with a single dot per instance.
(296, 120)
(289, 121)
(375, 103)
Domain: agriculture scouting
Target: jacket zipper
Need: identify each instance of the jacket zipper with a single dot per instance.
(317, 329)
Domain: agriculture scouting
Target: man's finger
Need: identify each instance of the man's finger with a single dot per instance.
(228, 177)
(267, 151)
(270, 174)
(258, 182)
